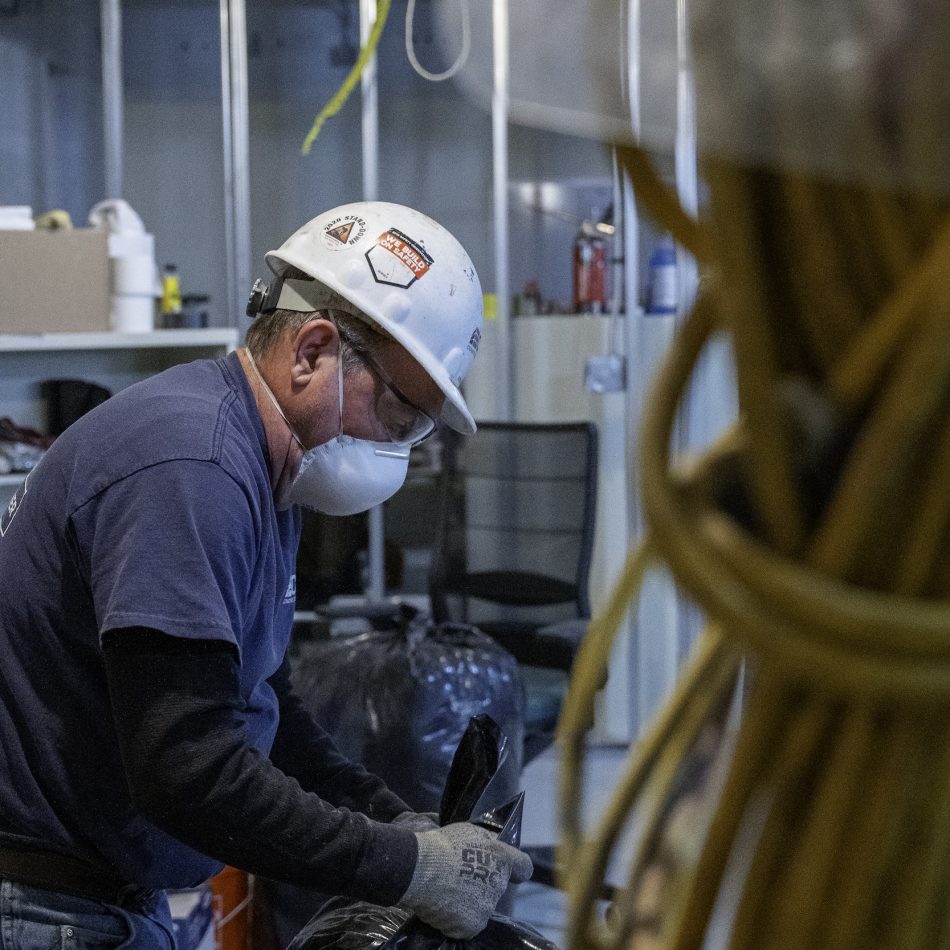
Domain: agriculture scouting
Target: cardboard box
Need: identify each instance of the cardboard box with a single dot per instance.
(54, 281)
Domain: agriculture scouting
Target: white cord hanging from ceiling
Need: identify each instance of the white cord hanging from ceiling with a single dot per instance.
(462, 57)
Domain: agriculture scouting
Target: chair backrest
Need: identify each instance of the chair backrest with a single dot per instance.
(516, 527)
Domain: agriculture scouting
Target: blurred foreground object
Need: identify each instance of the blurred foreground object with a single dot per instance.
(574, 79)
(813, 812)
(791, 85)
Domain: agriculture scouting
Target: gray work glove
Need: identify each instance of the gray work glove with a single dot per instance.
(417, 820)
(461, 873)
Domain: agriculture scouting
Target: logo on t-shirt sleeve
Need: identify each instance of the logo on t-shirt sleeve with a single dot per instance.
(13, 506)
(291, 596)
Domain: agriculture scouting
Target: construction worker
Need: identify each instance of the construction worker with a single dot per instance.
(148, 730)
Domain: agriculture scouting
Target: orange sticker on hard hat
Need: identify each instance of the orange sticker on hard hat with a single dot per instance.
(396, 259)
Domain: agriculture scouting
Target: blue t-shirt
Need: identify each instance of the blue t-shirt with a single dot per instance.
(154, 510)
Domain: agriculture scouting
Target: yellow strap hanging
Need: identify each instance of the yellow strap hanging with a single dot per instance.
(343, 93)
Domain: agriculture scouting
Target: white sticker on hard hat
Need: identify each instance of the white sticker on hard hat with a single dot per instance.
(344, 231)
(396, 259)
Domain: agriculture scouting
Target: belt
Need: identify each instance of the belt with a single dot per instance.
(67, 875)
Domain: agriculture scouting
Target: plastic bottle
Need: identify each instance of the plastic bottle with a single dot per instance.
(171, 297)
(663, 291)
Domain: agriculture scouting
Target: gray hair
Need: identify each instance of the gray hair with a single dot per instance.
(356, 336)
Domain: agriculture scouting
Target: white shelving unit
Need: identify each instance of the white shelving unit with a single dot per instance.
(214, 338)
(113, 360)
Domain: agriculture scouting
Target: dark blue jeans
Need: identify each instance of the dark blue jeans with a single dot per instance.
(34, 919)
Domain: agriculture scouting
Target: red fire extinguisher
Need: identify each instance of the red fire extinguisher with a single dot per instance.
(589, 271)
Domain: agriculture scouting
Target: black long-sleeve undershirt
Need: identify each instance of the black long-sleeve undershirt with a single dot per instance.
(178, 714)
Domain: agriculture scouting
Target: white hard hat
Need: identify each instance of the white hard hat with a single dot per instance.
(403, 271)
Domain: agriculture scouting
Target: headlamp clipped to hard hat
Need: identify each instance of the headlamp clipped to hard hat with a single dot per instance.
(396, 268)
(259, 301)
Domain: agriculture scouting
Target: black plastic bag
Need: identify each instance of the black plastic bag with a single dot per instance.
(359, 925)
(362, 926)
(398, 701)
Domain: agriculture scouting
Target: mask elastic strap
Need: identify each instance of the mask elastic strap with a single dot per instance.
(273, 398)
(339, 376)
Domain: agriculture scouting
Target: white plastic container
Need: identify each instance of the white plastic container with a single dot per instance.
(135, 282)
(16, 218)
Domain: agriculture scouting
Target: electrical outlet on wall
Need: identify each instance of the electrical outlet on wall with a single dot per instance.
(605, 374)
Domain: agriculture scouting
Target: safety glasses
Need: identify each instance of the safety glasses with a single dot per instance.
(404, 421)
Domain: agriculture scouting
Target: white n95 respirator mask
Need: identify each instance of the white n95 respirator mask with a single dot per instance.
(344, 476)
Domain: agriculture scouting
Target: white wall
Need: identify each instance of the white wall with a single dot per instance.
(51, 107)
(435, 144)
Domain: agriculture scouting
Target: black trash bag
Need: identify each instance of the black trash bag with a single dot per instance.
(347, 926)
(398, 701)
(478, 756)
(359, 925)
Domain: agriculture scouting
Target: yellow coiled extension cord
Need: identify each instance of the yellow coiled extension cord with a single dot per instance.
(814, 536)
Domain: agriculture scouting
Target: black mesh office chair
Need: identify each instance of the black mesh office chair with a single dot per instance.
(513, 550)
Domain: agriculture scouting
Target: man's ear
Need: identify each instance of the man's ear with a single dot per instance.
(315, 339)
